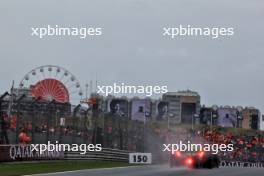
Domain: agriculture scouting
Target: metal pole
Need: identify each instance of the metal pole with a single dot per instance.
(168, 122)
(33, 119)
(74, 122)
(144, 133)
(60, 128)
(18, 117)
(3, 130)
(103, 141)
(192, 121)
(211, 120)
(49, 106)
(17, 122)
(33, 124)
(2, 121)
(95, 120)
(48, 115)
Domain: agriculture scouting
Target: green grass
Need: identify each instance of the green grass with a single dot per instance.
(17, 169)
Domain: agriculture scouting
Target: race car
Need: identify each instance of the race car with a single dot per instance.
(199, 159)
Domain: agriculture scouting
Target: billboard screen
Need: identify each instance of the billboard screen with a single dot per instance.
(227, 117)
(162, 110)
(205, 115)
(118, 107)
(140, 109)
(187, 112)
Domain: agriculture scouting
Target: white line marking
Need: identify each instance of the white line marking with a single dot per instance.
(54, 173)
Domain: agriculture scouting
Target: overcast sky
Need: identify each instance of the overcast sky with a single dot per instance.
(226, 71)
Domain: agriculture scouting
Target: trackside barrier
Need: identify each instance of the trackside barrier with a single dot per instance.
(104, 155)
(10, 153)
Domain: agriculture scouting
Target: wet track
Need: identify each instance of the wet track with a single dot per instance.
(163, 170)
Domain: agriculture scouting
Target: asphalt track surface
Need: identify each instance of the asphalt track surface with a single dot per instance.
(163, 170)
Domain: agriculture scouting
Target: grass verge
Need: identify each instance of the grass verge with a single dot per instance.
(18, 169)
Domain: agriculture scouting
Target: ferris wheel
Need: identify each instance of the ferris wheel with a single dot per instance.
(50, 82)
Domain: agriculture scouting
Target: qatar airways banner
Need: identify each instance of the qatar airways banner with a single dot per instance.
(25, 153)
(227, 117)
(118, 107)
(140, 109)
(240, 164)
